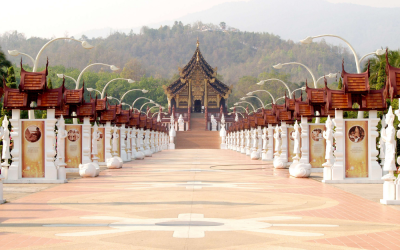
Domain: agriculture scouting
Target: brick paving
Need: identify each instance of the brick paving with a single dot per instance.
(258, 208)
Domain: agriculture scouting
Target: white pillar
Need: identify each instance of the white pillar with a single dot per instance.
(254, 153)
(107, 141)
(303, 168)
(86, 140)
(375, 170)
(338, 166)
(129, 143)
(265, 144)
(14, 169)
(248, 142)
(50, 167)
(122, 137)
(1, 190)
(260, 140)
(270, 145)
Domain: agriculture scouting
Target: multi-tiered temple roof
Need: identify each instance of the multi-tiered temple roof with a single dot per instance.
(197, 62)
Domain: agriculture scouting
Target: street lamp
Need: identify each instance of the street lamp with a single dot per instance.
(303, 88)
(133, 104)
(110, 98)
(112, 67)
(279, 80)
(35, 61)
(150, 102)
(154, 107)
(261, 90)
(92, 89)
(239, 107)
(245, 102)
(126, 105)
(330, 75)
(244, 98)
(378, 52)
(237, 113)
(144, 91)
(165, 113)
(279, 99)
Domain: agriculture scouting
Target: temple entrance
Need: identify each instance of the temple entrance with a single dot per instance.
(197, 106)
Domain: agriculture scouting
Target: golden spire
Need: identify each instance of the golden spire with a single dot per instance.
(198, 42)
(197, 56)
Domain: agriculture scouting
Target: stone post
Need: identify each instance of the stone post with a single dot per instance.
(107, 141)
(375, 170)
(248, 141)
(85, 140)
(270, 145)
(338, 166)
(265, 144)
(303, 168)
(122, 138)
(50, 167)
(13, 171)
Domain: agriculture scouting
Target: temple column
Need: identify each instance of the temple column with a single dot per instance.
(206, 103)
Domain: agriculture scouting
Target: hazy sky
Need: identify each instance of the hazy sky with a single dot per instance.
(47, 18)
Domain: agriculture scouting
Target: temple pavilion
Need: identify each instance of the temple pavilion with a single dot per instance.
(197, 89)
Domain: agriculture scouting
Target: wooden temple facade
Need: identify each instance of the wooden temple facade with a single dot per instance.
(197, 89)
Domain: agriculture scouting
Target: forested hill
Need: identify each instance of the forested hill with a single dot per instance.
(159, 52)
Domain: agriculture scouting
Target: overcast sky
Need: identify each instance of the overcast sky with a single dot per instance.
(48, 18)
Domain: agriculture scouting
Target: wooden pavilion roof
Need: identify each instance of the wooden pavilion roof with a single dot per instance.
(198, 62)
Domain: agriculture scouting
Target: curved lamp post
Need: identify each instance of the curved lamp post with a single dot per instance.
(279, 80)
(378, 52)
(104, 89)
(238, 113)
(303, 88)
(261, 90)
(112, 67)
(144, 91)
(245, 102)
(240, 107)
(150, 102)
(35, 61)
(92, 89)
(126, 105)
(252, 96)
(110, 98)
(154, 107)
(330, 75)
(133, 104)
(165, 113)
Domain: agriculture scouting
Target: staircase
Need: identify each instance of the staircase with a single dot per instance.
(197, 137)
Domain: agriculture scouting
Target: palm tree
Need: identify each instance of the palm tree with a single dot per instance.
(378, 65)
(4, 63)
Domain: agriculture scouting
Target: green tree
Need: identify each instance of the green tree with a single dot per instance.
(49, 83)
(4, 63)
(222, 25)
(381, 79)
(340, 84)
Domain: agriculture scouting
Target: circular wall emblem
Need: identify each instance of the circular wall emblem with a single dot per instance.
(356, 134)
(73, 135)
(316, 134)
(33, 133)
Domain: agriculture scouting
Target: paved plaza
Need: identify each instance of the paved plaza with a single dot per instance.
(194, 199)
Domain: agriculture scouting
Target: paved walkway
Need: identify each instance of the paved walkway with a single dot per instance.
(196, 199)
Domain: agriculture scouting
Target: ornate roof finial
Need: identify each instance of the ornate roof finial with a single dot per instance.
(198, 42)
(197, 56)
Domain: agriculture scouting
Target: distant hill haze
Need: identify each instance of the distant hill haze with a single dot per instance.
(366, 28)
